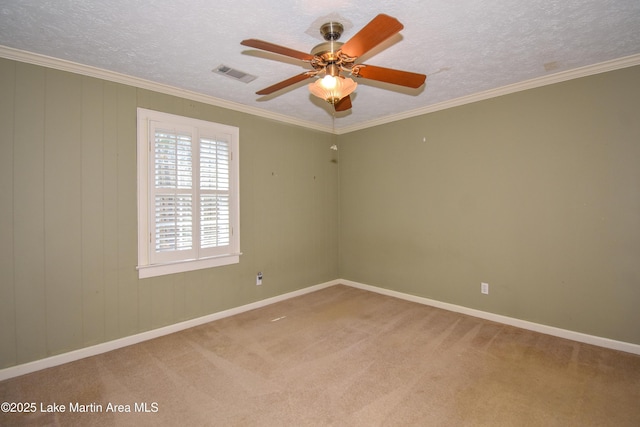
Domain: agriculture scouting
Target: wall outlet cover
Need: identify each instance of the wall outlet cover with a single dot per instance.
(484, 288)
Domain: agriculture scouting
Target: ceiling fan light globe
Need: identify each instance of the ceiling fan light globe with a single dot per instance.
(342, 87)
(328, 82)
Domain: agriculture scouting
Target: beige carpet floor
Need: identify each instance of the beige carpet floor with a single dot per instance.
(341, 357)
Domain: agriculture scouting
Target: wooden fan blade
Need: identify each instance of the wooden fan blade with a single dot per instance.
(290, 81)
(281, 50)
(389, 75)
(375, 32)
(344, 104)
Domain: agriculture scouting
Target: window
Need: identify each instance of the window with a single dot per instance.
(188, 204)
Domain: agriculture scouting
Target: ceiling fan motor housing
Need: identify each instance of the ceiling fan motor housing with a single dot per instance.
(327, 50)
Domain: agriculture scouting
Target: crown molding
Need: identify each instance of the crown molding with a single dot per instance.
(64, 65)
(87, 70)
(603, 67)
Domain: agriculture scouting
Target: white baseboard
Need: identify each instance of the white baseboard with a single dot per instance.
(26, 368)
(59, 359)
(544, 329)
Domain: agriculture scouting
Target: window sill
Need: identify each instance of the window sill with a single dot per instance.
(145, 271)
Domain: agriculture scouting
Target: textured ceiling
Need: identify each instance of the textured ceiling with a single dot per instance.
(465, 47)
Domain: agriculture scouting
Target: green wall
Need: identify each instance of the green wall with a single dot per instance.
(68, 215)
(536, 193)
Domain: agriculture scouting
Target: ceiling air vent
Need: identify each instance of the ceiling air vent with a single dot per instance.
(234, 74)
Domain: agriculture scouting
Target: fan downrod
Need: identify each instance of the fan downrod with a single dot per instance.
(331, 32)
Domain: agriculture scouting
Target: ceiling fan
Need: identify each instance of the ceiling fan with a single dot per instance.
(332, 59)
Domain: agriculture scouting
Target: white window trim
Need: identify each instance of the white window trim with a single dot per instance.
(145, 268)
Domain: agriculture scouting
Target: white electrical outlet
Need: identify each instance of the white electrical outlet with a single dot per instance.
(259, 278)
(484, 288)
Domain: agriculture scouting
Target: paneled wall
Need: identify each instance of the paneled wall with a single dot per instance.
(536, 193)
(68, 215)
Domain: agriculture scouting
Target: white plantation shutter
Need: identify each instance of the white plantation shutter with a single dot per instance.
(173, 222)
(172, 193)
(215, 225)
(188, 205)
